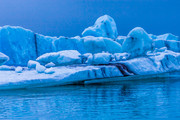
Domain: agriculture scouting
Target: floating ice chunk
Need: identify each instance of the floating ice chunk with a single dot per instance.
(40, 68)
(66, 57)
(32, 64)
(49, 71)
(51, 64)
(3, 58)
(167, 36)
(101, 58)
(104, 26)
(6, 68)
(137, 43)
(17, 43)
(121, 56)
(18, 69)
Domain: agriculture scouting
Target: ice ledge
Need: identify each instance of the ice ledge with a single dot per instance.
(62, 76)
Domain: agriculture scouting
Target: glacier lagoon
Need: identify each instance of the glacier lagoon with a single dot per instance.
(140, 99)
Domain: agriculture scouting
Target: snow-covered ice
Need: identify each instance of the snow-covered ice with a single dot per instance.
(66, 57)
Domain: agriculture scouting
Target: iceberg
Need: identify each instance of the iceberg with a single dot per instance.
(104, 26)
(93, 58)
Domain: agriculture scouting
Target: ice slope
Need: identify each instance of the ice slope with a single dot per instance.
(104, 26)
(17, 43)
(63, 75)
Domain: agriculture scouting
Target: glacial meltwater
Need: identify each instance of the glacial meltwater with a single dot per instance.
(142, 99)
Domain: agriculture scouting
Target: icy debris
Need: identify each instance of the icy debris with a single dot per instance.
(3, 58)
(49, 65)
(121, 56)
(6, 68)
(104, 26)
(49, 71)
(137, 43)
(167, 36)
(32, 64)
(40, 68)
(18, 69)
(66, 57)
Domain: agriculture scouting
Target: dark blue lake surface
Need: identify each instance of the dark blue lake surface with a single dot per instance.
(157, 98)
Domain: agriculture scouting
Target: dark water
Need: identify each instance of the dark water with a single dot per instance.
(142, 99)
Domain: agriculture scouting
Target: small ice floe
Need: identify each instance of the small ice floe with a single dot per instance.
(18, 69)
(49, 71)
(40, 68)
(32, 64)
(49, 65)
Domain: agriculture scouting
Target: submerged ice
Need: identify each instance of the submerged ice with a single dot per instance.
(99, 53)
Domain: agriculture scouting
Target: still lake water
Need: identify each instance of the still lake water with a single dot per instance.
(157, 98)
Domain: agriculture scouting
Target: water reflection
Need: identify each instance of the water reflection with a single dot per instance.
(133, 99)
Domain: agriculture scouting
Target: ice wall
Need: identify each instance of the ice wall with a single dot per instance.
(22, 45)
